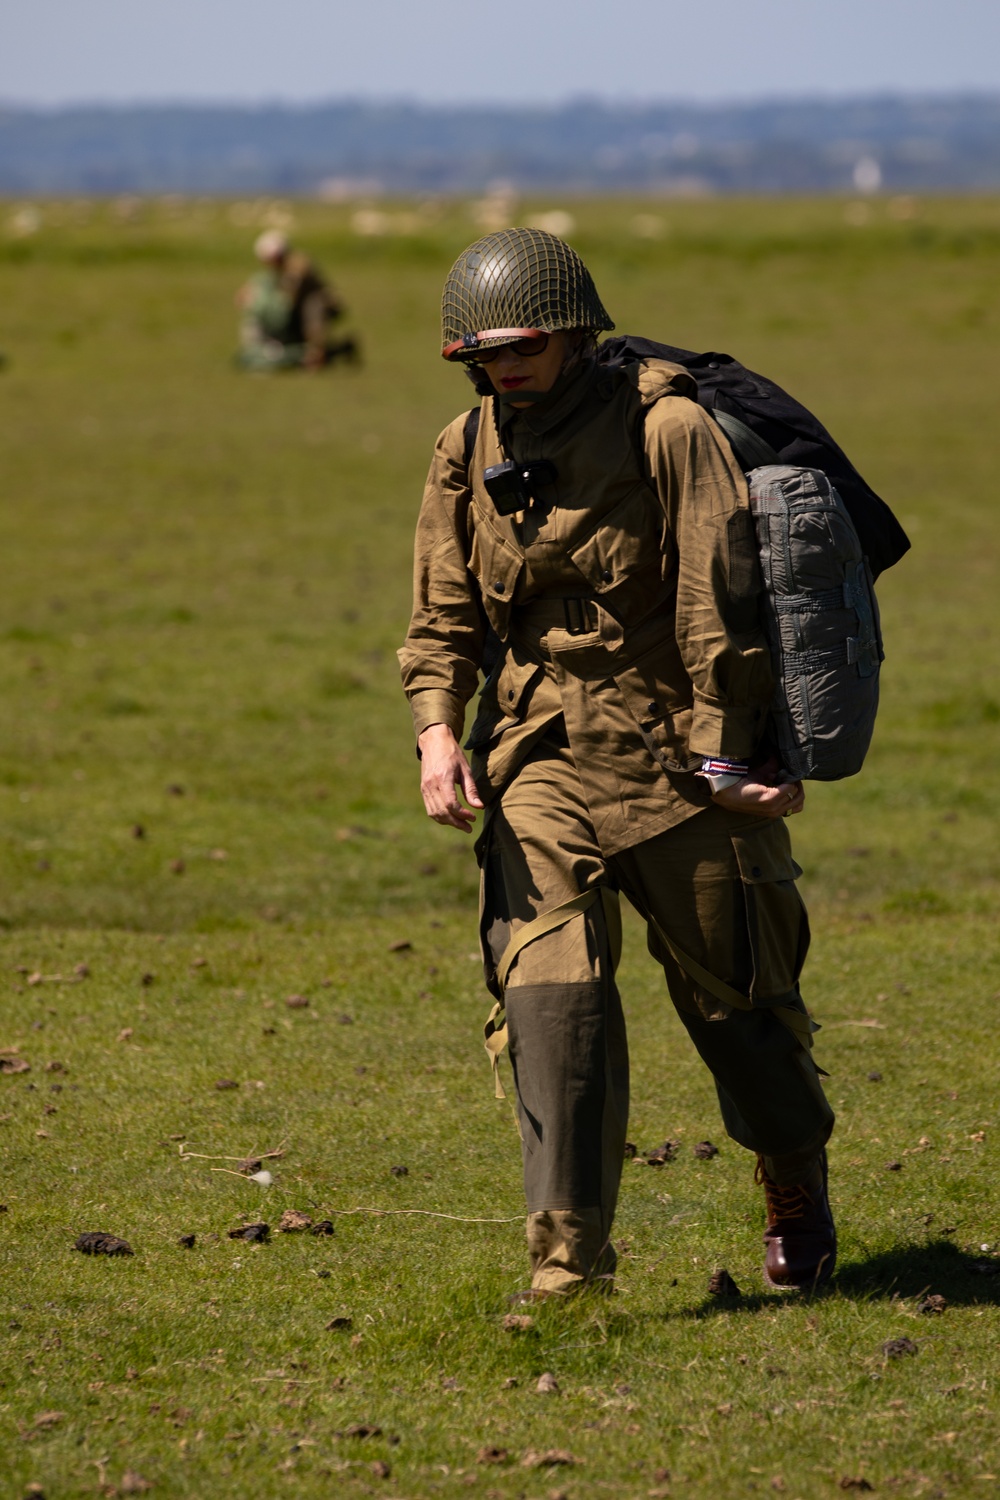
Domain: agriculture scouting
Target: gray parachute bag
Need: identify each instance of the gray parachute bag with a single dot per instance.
(820, 614)
(821, 620)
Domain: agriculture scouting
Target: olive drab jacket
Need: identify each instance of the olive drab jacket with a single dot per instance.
(626, 597)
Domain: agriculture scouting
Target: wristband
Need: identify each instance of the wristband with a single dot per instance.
(721, 773)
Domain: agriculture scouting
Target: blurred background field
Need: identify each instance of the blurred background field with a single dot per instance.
(209, 799)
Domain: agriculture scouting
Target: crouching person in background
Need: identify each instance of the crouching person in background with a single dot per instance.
(286, 311)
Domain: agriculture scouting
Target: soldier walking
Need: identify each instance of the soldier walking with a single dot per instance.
(593, 539)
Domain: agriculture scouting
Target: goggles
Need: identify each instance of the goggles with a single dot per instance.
(525, 341)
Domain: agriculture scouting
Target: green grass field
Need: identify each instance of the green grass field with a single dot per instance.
(209, 805)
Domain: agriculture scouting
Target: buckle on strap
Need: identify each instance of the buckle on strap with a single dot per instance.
(577, 616)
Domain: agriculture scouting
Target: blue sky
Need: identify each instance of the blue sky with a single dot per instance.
(116, 51)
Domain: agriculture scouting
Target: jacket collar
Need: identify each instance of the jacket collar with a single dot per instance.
(572, 387)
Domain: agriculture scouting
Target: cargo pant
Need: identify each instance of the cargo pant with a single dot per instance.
(719, 889)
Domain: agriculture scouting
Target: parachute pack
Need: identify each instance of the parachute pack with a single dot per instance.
(775, 428)
(823, 535)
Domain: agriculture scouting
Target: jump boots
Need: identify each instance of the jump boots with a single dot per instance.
(800, 1238)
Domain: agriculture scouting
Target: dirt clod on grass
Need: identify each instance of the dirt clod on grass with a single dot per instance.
(704, 1150)
(894, 1166)
(935, 1303)
(897, 1348)
(249, 1165)
(850, 1483)
(339, 1325)
(631, 1151)
(225, 1083)
(256, 1234)
(43, 1420)
(721, 1284)
(660, 1155)
(361, 1430)
(11, 1064)
(381, 1469)
(293, 1222)
(400, 946)
(874, 1076)
(96, 1242)
(187, 1241)
(491, 1455)
(551, 1458)
(547, 1385)
(297, 1002)
(323, 1227)
(132, 1483)
(517, 1323)
(400, 1171)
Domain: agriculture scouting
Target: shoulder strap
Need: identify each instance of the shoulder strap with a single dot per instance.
(751, 449)
(492, 645)
(470, 434)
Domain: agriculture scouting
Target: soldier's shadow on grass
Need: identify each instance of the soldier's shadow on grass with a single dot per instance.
(937, 1268)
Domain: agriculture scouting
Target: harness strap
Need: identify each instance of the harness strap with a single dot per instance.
(754, 451)
(798, 1022)
(495, 1030)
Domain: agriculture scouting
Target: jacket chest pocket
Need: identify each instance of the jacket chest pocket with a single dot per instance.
(661, 711)
(625, 546)
(496, 567)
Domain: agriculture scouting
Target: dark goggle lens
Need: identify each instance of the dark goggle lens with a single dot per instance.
(529, 347)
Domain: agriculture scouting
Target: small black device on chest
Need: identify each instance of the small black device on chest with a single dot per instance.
(512, 486)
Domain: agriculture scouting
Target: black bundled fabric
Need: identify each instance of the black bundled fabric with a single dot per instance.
(796, 436)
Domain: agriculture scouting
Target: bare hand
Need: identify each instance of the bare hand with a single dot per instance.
(762, 800)
(442, 768)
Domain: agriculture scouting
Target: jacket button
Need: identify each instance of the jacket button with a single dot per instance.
(652, 708)
(756, 872)
(607, 575)
(713, 364)
(498, 588)
(510, 696)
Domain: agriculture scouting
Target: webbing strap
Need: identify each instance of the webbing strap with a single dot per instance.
(800, 1024)
(495, 1031)
(750, 447)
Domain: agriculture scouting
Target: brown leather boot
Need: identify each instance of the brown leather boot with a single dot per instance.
(800, 1238)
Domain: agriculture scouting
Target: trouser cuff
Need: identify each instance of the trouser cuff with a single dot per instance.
(569, 1249)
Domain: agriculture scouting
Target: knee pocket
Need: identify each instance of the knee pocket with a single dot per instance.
(773, 913)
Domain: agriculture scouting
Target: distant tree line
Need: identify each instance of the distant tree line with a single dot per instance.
(897, 144)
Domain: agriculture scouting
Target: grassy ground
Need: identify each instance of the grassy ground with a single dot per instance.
(209, 802)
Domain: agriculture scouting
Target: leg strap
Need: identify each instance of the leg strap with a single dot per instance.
(495, 1030)
(800, 1024)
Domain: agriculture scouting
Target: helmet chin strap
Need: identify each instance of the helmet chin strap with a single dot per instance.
(522, 398)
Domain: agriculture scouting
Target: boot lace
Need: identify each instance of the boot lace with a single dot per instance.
(782, 1202)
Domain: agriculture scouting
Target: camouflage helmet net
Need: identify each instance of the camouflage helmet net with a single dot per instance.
(519, 278)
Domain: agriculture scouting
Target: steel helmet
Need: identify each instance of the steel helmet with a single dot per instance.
(513, 283)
